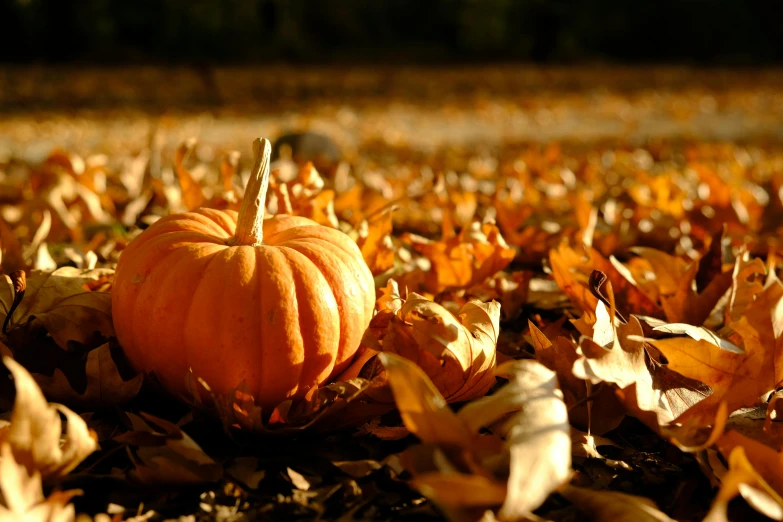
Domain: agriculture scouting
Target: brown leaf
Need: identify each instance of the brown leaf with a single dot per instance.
(35, 433)
(375, 241)
(616, 354)
(602, 412)
(613, 506)
(532, 460)
(172, 457)
(11, 257)
(476, 253)
(457, 352)
(192, 194)
(62, 303)
(739, 379)
(742, 479)
(105, 386)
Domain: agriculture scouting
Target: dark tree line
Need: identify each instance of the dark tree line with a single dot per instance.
(262, 31)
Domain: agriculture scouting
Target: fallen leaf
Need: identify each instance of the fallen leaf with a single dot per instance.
(739, 379)
(35, 433)
(192, 194)
(476, 253)
(613, 506)
(105, 386)
(375, 241)
(742, 479)
(62, 303)
(23, 497)
(457, 352)
(166, 455)
(528, 413)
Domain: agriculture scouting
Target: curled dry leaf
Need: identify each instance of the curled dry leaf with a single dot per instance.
(23, 497)
(192, 193)
(63, 303)
(166, 455)
(35, 433)
(524, 459)
(616, 354)
(738, 379)
(589, 408)
(742, 479)
(476, 253)
(458, 353)
(572, 269)
(375, 241)
(340, 404)
(613, 506)
(105, 386)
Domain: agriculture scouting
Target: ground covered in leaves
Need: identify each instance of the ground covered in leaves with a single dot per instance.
(578, 312)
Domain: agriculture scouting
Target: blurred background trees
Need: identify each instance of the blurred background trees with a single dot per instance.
(355, 31)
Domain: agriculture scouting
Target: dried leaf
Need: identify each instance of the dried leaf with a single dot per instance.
(35, 434)
(613, 506)
(105, 386)
(192, 194)
(457, 353)
(62, 303)
(167, 455)
(478, 252)
(375, 241)
(739, 379)
(23, 497)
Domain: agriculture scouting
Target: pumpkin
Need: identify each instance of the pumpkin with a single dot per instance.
(279, 302)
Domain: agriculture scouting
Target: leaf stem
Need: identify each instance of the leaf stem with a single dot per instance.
(250, 221)
(19, 281)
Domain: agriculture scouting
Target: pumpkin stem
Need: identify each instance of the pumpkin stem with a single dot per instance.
(250, 222)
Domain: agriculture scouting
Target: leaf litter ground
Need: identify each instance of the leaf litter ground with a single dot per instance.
(574, 321)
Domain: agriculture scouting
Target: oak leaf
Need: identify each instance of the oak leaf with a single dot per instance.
(105, 386)
(62, 303)
(738, 379)
(375, 241)
(458, 352)
(165, 454)
(476, 253)
(742, 479)
(515, 468)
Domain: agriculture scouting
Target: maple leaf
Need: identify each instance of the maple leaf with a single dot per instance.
(62, 303)
(476, 253)
(517, 472)
(166, 455)
(458, 352)
(35, 431)
(738, 379)
(105, 386)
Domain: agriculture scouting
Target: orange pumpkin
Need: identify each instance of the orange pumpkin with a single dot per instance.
(201, 290)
